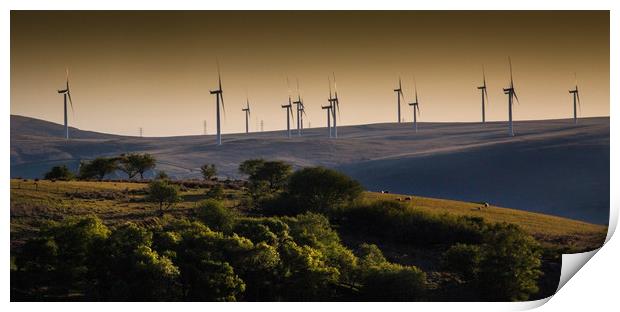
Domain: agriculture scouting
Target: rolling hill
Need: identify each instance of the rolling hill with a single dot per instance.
(551, 166)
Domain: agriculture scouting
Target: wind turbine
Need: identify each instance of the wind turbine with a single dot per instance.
(298, 110)
(399, 94)
(289, 110)
(218, 98)
(328, 108)
(247, 114)
(576, 100)
(510, 91)
(66, 92)
(483, 94)
(416, 108)
(335, 104)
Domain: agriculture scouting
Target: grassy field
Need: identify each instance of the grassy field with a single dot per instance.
(33, 202)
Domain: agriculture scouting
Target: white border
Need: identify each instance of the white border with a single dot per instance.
(594, 286)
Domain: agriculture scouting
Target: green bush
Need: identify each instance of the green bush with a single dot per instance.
(97, 168)
(216, 216)
(215, 192)
(396, 222)
(393, 282)
(385, 281)
(208, 171)
(61, 173)
(463, 259)
(510, 265)
(323, 190)
(163, 193)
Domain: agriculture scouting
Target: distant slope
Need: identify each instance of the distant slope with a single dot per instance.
(551, 166)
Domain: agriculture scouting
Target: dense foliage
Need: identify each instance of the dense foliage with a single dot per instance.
(278, 244)
(133, 164)
(97, 168)
(289, 258)
(323, 190)
(61, 173)
(400, 223)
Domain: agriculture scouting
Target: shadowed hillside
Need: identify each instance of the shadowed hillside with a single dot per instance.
(551, 166)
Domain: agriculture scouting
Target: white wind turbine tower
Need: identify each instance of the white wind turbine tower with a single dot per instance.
(510, 91)
(416, 108)
(484, 95)
(335, 105)
(289, 110)
(399, 95)
(299, 110)
(66, 92)
(247, 114)
(576, 100)
(328, 108)
(219, 98)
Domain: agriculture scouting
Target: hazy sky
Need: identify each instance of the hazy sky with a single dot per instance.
(154, 69)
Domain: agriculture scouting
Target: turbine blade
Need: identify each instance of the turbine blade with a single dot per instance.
(486, 95)
(221, 95)
(329, 82)
(70, 102)
(511, 80)
(219, 75)
(514, 93)
(484, 78)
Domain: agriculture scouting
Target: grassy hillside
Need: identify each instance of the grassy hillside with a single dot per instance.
(117, 202)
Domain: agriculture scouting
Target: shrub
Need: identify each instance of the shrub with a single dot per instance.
(463, 259)
(97, 168)
(322, 190)
(216, 216)
(161, 175)
(396, 222)
(208, 171)
(163, 193)
(510, 265)
(61, 253)
(393, 282)
(128, 269)
(59, 173)
(272, 174)
(215, 192)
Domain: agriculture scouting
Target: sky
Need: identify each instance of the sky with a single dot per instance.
(154, 69)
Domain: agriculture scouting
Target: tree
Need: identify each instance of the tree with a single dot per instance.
(463, 259)
(163, 193)
(161, 175)
(97, 168)
(216, 216)
(275, 173)
(128, 269)
(133, 164)
(59, 173)
(250, 166)
(208, 171)
(322, 190)
(510, 265)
